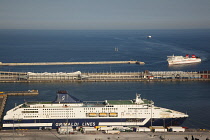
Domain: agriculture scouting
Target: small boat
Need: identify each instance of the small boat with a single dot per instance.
(92, 114)
(113, 114)
(102, 114)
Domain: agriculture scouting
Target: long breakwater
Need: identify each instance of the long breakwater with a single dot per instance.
(104, 76)
(71, 63)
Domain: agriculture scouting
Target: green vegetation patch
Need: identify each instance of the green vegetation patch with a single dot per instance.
(118, 102)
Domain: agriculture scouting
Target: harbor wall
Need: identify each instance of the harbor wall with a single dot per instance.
(3, 99)
(105, 77)
(5, 94)
(71, 63)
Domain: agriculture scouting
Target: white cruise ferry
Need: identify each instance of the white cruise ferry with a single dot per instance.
(67, 110)
(182, 60)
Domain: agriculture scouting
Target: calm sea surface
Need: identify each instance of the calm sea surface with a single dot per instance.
(79, 46)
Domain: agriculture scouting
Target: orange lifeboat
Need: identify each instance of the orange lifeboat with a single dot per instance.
(92, 114)
(102, 114)
(113, 114)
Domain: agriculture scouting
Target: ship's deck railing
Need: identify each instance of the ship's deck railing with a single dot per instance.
(42, 104)
(171, 111)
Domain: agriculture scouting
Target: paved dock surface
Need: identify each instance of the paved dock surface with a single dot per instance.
(53, 135)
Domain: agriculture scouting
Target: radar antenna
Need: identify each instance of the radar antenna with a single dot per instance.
(138, 99)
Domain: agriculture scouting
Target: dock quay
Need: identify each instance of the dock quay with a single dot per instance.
(71, 63)
(20, 93)
(104, 76)
(53, 135)
(3, 99)
(5, 94)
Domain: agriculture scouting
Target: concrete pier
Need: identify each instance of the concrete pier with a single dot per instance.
(5, 94)
(105, 76)
(3, 99)
(71, 63)
(21, 93)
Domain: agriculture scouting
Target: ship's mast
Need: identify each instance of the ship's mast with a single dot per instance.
(151, 115)
(138, 99)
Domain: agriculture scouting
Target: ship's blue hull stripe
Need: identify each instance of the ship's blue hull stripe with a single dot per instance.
(92, 122)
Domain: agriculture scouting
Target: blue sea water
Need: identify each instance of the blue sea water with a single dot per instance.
(99, 45)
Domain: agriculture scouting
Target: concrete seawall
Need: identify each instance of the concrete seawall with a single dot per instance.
(21, 93)
(125, 80)
(105, 77)
(71, 63)
(3, 99)
(5, 94)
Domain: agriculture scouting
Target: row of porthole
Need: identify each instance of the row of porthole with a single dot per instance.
(30, 116)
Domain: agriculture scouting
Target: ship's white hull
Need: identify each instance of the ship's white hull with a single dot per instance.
(56, 123)
(197, 60)
(66, 110)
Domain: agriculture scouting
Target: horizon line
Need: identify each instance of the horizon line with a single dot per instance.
(114, 29)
